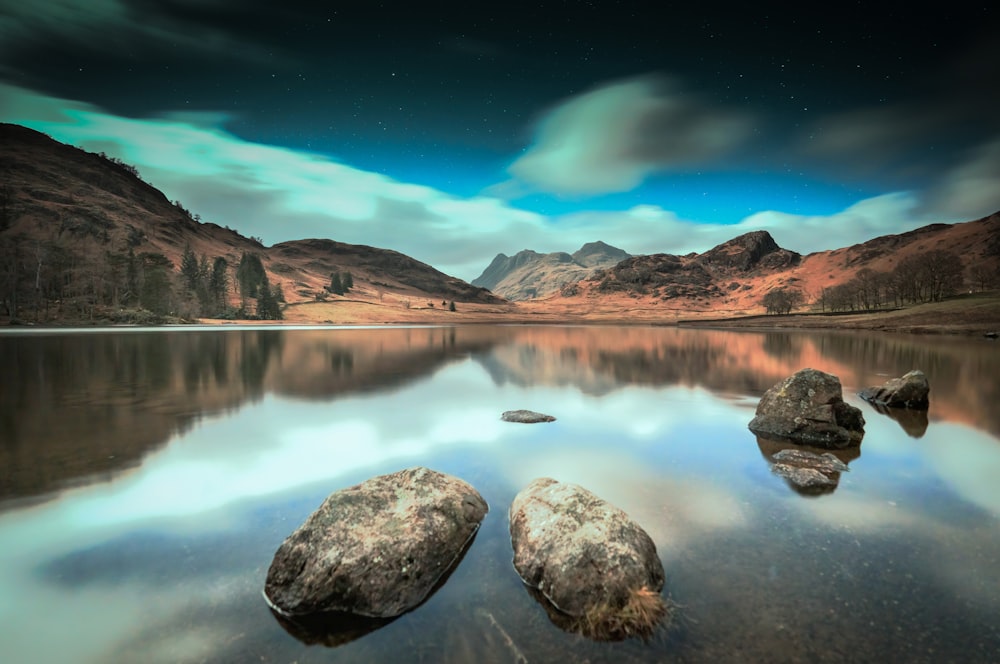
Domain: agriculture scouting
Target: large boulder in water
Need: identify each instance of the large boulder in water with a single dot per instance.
(808, 408)
(378, 548)
(588, 560)
(909, 391)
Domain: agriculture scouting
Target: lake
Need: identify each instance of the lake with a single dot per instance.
(148, 476)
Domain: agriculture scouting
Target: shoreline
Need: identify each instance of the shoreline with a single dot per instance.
(967, 316)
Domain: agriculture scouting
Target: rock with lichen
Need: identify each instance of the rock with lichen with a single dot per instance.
(594, 569)
(377, 548)
(910, 390)
(808, 408)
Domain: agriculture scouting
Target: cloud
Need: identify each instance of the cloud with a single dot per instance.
(887, 214)
(113, 25)
(968, 191)
(281, 194)
(611, 138)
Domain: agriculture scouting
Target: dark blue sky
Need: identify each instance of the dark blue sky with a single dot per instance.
(456, 132)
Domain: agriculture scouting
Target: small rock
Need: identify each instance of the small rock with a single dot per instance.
(377, 548)
(808, 408)
(596, 570)
(526, 417)
(808, 472)
(825, 463)
(909, 391)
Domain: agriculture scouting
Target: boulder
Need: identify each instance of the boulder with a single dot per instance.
(378, 548)
(526, 417)
(908, 391)
(808, 408)
(588, 561)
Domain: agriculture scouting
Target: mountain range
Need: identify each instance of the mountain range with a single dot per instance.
(529, 274)
(74, 224)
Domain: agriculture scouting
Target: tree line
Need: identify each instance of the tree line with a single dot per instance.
(929, 276)
(49, 279)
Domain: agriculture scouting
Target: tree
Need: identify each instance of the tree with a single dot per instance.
(249, 275)
(267, 305)
(131, 293)
(451, 306)
(347, 281)
(218, 282)
(154, 293)
(189, 269)
(782, 300)
(336, 285)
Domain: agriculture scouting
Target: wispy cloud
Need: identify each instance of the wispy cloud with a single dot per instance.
(113, 25)
(971, 189)
(282, 194)
(611, 138)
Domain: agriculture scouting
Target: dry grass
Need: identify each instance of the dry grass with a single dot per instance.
(644, 611)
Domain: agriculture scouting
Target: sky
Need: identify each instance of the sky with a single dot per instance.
(454, 132)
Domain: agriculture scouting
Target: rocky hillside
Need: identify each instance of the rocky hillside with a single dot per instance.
(82, 235)
(529, 274)
(723, 269)
(733, 277)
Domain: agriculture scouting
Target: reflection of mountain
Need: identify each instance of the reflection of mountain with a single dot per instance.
(964, 384)
(77, 405)
(90, 404)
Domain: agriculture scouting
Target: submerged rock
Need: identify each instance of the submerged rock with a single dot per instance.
(908, 391)
(526, 417)
(810, 472)
(377, 548)
(808, 408)
(595, 569)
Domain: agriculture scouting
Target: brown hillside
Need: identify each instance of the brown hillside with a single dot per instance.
(65, 212)
(732, 278)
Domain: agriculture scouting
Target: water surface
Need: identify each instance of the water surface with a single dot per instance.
(147, 477)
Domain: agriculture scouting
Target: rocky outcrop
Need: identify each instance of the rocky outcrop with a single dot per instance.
(526, 417)
(377, 548)
(909, 391)
(750, 251)
(808, 408)
(596, 571)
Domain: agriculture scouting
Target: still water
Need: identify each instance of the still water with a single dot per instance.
(147, 477)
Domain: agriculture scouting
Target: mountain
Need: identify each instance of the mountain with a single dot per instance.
(724, 268)
(82, 236)
(529, 274)
(733, 277)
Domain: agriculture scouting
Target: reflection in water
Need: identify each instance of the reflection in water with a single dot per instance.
(229, 436)
(336, 628)
(913, 421)
(819, 478)
(331, 629)
(92, 404)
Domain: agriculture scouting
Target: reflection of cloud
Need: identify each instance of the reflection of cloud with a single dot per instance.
(610, 138)
(968, 459)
